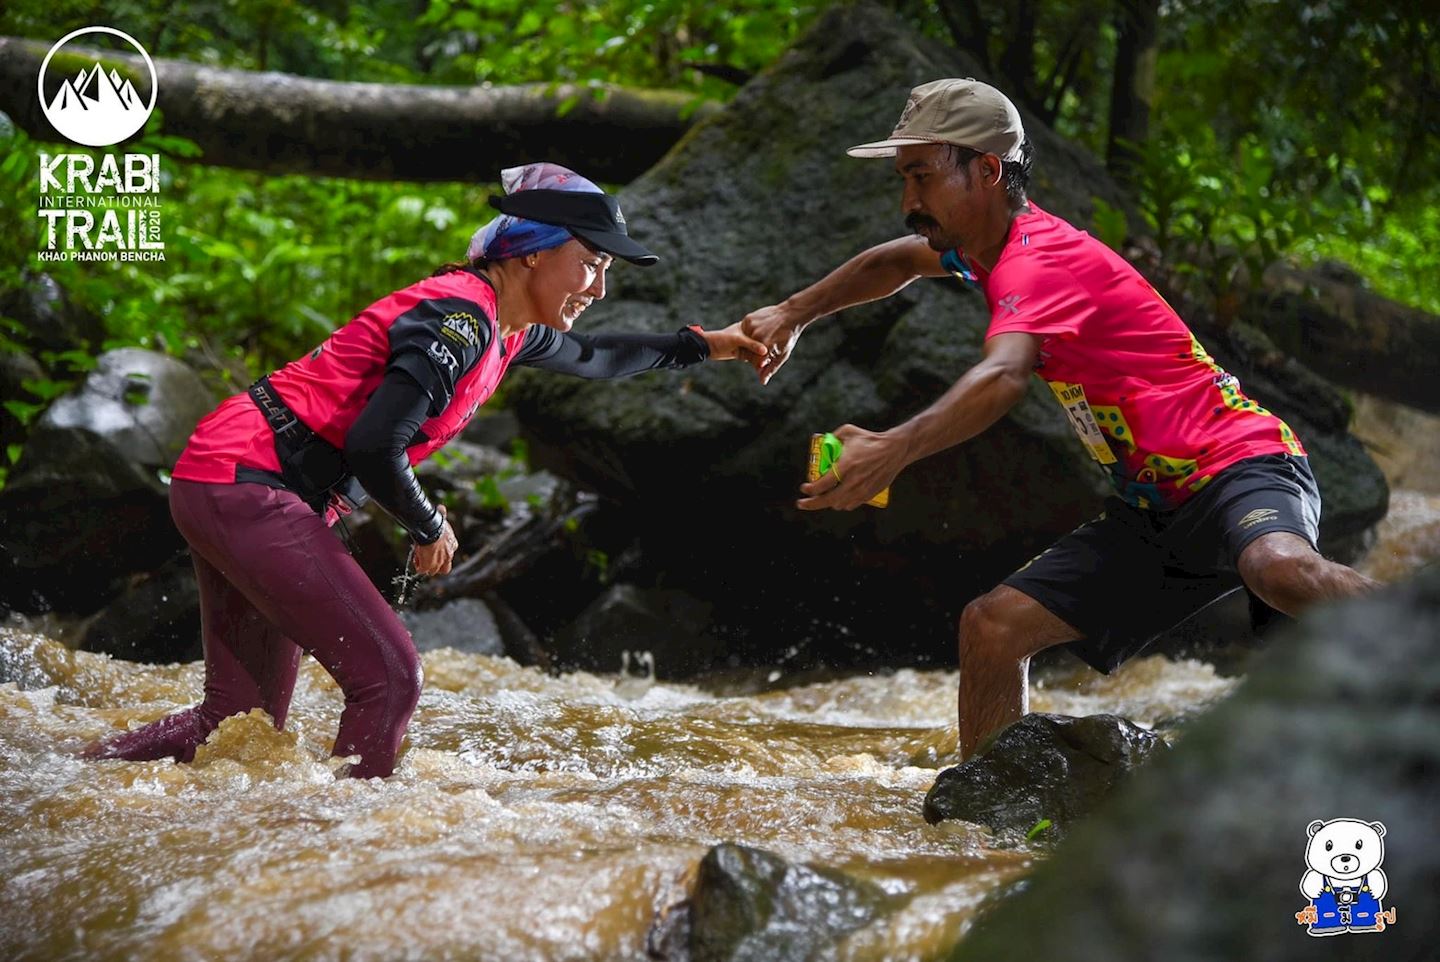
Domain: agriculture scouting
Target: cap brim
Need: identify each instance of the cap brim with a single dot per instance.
(615, 244)
(885, 148)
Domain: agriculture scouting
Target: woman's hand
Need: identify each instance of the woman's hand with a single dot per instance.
(778, 329)
(732, 342)
(434, 558)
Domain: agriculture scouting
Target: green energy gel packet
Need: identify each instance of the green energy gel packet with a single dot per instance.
(825, 450)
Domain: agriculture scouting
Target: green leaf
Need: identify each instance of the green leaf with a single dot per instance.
(1040, 826)
(567, 105)
(22, 411)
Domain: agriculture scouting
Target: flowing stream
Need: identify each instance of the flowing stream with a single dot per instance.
(532, 817)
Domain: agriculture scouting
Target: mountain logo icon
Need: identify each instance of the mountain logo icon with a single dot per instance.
(96, 107)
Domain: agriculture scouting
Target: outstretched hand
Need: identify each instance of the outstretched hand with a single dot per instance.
(732, 342)
(869, 464)
(778, 329)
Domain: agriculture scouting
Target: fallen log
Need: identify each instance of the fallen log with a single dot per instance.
(280, 123)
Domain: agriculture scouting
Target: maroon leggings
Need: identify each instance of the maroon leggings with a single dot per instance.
(275, 581)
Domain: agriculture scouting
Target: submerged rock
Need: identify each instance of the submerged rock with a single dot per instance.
(750, 905)
(1200, 856)
(1043, 766)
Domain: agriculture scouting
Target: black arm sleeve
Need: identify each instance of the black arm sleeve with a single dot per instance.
(609, 355)
(375, 452)
(436, 342)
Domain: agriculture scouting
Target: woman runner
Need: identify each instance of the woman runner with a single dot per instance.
(265, 473)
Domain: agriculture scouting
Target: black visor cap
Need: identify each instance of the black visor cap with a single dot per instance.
(594, 218)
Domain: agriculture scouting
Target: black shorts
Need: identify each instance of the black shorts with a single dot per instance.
(1129, 575)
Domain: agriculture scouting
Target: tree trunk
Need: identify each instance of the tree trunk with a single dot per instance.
(1017, 63)
(1137, 48)
(968, 29)
(280, 123)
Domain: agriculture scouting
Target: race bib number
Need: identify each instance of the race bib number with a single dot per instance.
(1082, 419)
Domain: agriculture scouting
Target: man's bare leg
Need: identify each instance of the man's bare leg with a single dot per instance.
(999, 631)
(1289, 575)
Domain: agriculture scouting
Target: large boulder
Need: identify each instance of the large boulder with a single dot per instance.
(87, 505)
(753, 204)
(1200, 856)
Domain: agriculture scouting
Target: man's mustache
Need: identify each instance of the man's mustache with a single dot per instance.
(916, 221)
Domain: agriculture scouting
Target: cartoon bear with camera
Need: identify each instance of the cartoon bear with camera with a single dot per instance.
(1344, 882)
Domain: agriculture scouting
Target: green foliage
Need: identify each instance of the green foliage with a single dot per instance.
(1217, 218)
(651, 43)
(1399, 255)
(598, 561)
(1317, 148)
(258, 269)
(490, 497)
(1109, 224)
(643, 42)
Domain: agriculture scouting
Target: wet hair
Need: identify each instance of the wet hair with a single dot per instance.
(479, 264)
(1016, 173)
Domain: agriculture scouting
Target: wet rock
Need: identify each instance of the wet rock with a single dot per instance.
(87, 505)
(496, 429)
(1200, 856)
(144, 403)
(80, 516)
(465, 624)
(707, 463)
(50, 319)
(1326, 318)
(669, 624)
(748, 904)
(156, 619)
(1042, 767)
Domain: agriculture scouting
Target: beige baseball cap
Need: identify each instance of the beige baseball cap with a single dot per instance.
(964, 112)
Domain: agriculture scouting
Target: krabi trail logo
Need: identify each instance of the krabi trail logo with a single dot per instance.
(103, 208)
(96, 107)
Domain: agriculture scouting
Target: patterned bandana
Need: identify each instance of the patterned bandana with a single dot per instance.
(507, 236)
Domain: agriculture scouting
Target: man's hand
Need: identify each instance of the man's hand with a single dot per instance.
(868, 466)
(434, 558)
(732, 342)
(778, 329)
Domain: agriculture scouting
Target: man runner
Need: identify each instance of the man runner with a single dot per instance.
(1211, 489)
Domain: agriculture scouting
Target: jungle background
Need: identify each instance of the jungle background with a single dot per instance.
(755, 789)
(1247, 132)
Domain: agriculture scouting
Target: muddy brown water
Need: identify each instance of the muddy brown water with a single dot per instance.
(532, 816)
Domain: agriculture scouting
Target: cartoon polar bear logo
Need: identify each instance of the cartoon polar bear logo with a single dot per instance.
(1344, 882)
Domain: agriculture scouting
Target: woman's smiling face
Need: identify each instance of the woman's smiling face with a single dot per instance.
(566, 280)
